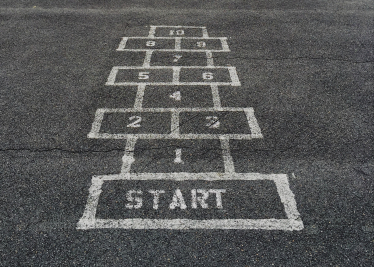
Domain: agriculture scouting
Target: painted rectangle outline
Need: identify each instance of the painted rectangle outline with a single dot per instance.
(176, 69)
(292, 223)
(249, 112)
(224, 44)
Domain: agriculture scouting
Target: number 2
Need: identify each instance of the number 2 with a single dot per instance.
(136, 122)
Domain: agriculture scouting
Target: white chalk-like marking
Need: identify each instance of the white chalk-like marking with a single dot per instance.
(139, 97)
(178, 201)
(147, 59)
(234, 76)
(128, 157)
(181, 37)
(205, 32)
(177, 96)
(112, 76)
(180, 26)
(292, 223)
(218, 193)
(173, 83)
(252, 122)
(209, 58)
(227, 158)
(186, 224)
(178, 42)
(225, 46)
(96, 125)
(173, 136)
(287, 197)
(216, 98)
(88, 218)
(232, 69)
(199, 199)
(178, 156)
(174, 131)
(134, 197)
(172, 50)
(156, 197)
(152, 32)
(176, 74)
(122, 44)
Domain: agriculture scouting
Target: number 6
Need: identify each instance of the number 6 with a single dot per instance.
(208, 76)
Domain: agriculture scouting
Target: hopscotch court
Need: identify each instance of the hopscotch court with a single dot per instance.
(214, 122)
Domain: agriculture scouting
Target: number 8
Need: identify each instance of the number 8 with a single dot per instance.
(208, 76)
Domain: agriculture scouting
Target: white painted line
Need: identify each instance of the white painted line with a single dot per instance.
(225, 46)
(176, 70)
(185, 224)
(152, 32)
(234, 76)
(173, 136)
(166, 26)
(176, 74)
(96, 125)
(233, 69)
(216, 98)
(139, 97)
(147, 59)
(173, 83)
(171, 50)
(128, 157)
(181, 37)
(174, 123)
(178, 42)
(287, 197)
(112, 76)
(93, 200)
(227, 159)
(122, 44)
(292, 223)
(188, 176)
(197, 109)
(209, 58)
(252, 122)
(205, 32)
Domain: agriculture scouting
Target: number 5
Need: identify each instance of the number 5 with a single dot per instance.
(143, 76)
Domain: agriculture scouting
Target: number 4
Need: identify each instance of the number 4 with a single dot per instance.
(176, 95)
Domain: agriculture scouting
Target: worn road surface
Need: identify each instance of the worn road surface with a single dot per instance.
(187, 133)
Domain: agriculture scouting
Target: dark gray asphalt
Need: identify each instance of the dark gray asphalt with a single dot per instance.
(307, 69)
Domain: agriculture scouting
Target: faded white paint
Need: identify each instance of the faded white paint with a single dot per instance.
(174, 131)
(198, 196)
(176, 76)
(293, 221)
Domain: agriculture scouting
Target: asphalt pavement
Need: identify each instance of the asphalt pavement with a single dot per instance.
(232, 133)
